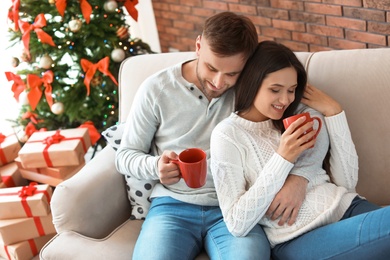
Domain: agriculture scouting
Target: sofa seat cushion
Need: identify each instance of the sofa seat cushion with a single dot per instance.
(117, 245)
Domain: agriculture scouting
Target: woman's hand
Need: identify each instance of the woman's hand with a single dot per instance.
(315, 98)
(296, 139)
(169, 172)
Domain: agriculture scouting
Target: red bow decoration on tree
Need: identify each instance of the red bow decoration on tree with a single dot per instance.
(35, 82)
(31, 116)
(29, 190)
(130, 7)
(85, 7)
(90, 70)
(30, 129)
(26, 28)
(93, 132)
(18, 86)
(13, 13)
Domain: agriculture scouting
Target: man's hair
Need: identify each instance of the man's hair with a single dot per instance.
(229, 34)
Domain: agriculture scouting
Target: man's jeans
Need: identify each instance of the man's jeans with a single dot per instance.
(177, 230)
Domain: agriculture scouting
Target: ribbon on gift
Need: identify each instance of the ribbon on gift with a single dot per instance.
(130, 7)
(8, 181)
(18, 86)
(55, 139)
(35, 82)
(26, 28)
(32, 245)
(13, 13)
(90, 69)
(3, 158)
(85, 7)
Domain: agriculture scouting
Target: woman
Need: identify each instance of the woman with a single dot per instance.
(332, 221)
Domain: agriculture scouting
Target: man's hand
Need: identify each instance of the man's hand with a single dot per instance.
(288, 200)
(169, 172)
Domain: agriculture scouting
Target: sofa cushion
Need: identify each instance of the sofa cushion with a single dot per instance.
(138, 191)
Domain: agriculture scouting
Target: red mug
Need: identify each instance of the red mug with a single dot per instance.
(289, 120)
(192, 163)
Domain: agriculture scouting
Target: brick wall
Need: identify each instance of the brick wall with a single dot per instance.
(302, 25)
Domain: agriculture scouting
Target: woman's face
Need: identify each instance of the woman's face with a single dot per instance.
(276, 93)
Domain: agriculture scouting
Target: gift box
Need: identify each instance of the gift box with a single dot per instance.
(20, 229)
(27, 201)
(24, 250)
(9, 147)
(55, 148)
(63, 172)
(11, 175)
(52, 181)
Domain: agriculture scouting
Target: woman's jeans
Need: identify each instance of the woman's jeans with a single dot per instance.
(178, 230)
(362, 233)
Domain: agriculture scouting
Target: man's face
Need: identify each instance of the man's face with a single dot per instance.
(216, 74)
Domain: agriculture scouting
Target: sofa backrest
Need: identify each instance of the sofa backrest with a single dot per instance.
(358, 79)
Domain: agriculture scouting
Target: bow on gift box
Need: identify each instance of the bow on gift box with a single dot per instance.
(85, 7)
(54, 139)
(18, 86)
(26, 28)
(28, 191)
(30, 129)
(90, 69)
(130, 7)
(35, 82)
(13, 13)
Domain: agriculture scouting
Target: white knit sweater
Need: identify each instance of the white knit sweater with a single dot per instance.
(248, 173)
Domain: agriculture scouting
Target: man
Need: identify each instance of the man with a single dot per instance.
(176, 109)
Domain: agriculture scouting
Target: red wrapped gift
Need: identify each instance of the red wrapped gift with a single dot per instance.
(55, 172)
(9, 148)
(43, 178)
(55, 148)
(27, 201)
(24, 250)
(11, 175)
(20, 229)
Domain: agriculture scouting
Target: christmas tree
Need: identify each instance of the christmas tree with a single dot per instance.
(68, 72)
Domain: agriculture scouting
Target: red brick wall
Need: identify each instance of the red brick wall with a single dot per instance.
(302, 25)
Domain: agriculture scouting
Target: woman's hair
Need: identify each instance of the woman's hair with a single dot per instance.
(228, 34)
(269, 57)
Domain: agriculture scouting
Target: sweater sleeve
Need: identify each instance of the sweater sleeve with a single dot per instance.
(343, 156)
(243, 197)
(133, 156)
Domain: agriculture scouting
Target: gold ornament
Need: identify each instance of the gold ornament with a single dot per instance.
(52, 2)
(96, 81)
(45, 62)
(57, 108)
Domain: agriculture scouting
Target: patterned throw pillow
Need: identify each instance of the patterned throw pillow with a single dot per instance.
(138, 191)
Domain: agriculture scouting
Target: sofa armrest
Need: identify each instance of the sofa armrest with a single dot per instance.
(94, 201)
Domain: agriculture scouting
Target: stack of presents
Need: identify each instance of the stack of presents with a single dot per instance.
(29, 175)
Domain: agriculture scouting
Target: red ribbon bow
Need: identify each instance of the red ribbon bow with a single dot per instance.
(40, 21)
(93, 132)
(54, 139)
(130, 7)
(85, 7)
(18, 86)
(28, 191)
(13, 13)
(31, 116)
(90, 70)
(35, 82)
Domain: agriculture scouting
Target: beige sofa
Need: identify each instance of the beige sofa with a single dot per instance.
(91, 210)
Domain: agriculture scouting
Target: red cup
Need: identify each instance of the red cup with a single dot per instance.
(289, 120)
(192, 163)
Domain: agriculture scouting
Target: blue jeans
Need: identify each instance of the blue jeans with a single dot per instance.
(362, 233)
(178, 230)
